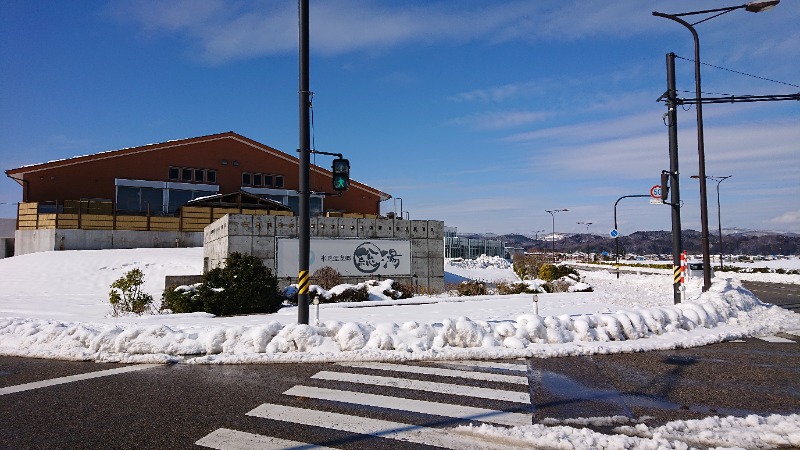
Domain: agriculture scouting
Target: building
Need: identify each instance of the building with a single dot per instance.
(160, 178)
(148, 189)
(461, 247)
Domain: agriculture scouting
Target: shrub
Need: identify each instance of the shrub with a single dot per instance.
(243, 286)
(399, 291)
(355, 293)
(326, 277)
(508, 288)
(470, 288)
(127, 296)
(181, 299)
(560, 285)
(527, 266)
(550, 272)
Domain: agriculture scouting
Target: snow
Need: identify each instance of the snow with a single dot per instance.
(55, 305)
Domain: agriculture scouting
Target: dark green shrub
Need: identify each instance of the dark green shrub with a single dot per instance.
(326, 277)
(243, 286)
(181, 299)
(470, 288)
(127, 296)
(356, 293)
(399, 291)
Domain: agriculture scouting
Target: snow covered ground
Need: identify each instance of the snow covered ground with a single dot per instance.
(55, 305)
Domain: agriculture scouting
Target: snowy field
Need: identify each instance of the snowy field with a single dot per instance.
(55, 305)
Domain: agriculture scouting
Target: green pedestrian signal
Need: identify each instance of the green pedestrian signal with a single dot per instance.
(341, 174)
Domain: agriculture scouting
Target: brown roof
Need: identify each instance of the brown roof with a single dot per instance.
(17, 173)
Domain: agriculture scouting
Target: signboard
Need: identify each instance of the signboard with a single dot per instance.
(614, 233)
(350, 257)
(655, 191)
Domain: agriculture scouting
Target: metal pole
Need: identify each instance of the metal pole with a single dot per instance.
(719, 217)
(616, 239)
(675, 197)
(304, 225)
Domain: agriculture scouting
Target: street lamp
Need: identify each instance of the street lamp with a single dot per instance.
(756, 6)
(587, 237)
(719, 213)
(553, 213)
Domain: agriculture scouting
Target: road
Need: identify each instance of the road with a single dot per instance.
(58, 404)
(781, 294)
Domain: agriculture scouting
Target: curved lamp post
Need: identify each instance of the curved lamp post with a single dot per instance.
(553, 213)
(587, 237)
(757, 6)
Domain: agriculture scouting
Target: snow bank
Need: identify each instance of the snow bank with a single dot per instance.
(727, 311)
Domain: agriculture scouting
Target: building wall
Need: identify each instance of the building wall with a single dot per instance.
(228, 154)
(43, 240)
(256, 235)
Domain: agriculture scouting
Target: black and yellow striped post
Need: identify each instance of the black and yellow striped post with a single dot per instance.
(302, 282)
(677, 274)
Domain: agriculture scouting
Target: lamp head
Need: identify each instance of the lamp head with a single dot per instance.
(761, 6)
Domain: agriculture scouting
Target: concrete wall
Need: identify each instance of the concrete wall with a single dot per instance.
(256, 235)
(32, 241)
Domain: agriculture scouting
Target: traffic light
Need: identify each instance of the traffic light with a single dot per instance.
(664, 185)
(341, 174)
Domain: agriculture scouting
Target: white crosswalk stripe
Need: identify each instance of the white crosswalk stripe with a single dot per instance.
(428, 386)
(224, 438)
(418, 406)
(776, 339)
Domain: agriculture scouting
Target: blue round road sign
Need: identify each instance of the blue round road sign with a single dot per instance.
(614, 233)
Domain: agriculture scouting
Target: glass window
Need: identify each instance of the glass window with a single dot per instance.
(186, 174)
(211, 176)
(174, 173)
(178, 198)
(246, 179)
(315, 206)
(127, 198)
(278, 181)
(267, 180)
(154, 198)
(256, 179)
(199, 175)
(294, 203)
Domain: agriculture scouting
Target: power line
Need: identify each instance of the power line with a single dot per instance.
(740, 73)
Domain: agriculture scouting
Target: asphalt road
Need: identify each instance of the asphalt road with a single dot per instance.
(177, 406)
(781, 294)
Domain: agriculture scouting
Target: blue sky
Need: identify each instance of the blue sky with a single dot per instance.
(480, 113)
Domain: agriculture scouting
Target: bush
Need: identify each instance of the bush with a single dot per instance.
(181, 299)
(509, 288)
(470, 288)
(326, 277)
(550, 272)
(527, 266)
(243, 286)
(399, 291)
(127, 296)
(355, 293)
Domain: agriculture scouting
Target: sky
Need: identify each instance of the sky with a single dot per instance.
(468, 111)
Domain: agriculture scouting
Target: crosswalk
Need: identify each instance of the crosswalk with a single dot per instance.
(370, 400)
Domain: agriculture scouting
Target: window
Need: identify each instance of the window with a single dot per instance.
(199, 175)
(186, 174)
(278, 181)
(257, 177)
(211, 176)
(267, 180)
(247, 179)
(174, 173)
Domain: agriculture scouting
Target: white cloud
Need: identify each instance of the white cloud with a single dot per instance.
(499, 120)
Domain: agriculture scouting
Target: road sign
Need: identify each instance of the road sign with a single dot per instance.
(655, 191)
(614, 233)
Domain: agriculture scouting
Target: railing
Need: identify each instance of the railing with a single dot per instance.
(101, 215)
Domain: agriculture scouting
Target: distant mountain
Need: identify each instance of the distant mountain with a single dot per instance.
(734, 241)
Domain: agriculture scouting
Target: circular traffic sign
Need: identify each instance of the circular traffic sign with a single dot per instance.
(614, 233)
(655, 191)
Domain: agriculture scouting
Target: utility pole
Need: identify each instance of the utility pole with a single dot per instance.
(675, 199)
(304, 220)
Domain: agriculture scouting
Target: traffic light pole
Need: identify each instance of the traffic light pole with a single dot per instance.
(304, 189)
